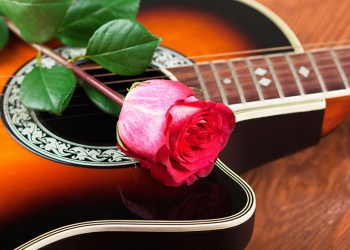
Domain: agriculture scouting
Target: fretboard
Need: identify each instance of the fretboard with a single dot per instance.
(322, 73)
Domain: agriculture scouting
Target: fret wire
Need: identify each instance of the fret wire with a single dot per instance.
(274, 77)
(317, 72)
(340, 69)
(255, 80)
(218, 83)
(295, 74)
(236, 80)
(201, 82)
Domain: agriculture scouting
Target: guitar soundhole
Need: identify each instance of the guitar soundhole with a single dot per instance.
(82, 121)
(83, 135)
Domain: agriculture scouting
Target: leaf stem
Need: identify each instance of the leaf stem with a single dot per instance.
(76, 58)
(104, 89)
(38, 59)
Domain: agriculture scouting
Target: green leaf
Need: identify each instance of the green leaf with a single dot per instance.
(123, 47)
(100, 100)
(38, 20)
(4, 33)
(48, 89)
(84, 17)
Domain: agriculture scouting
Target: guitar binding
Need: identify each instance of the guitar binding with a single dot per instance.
(235, 228)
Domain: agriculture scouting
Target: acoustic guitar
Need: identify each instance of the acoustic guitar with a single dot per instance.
(64, 184)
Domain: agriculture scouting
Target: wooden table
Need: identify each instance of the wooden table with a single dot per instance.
(303, 200)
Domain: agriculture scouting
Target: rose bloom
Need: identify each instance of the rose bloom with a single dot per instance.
(172, 133)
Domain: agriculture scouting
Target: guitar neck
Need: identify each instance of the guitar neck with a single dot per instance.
(322, 73)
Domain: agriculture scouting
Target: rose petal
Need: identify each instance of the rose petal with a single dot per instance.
(143, 115)
(172, 133)
(220, 122)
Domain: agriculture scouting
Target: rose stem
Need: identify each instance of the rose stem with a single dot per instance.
(107, 91)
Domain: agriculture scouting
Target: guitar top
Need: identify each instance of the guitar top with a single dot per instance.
(64, 184)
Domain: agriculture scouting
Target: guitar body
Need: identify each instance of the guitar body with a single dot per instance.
(64, 185)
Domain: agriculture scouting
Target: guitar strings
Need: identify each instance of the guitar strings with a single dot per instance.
(266, 91)
(324, 66)
(64, 117)
(204, 56)
(281, 72)
(198, 63)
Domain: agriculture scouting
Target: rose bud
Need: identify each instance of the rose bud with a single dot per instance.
(172, 133)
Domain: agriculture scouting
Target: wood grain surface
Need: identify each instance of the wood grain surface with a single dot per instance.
(303, 200)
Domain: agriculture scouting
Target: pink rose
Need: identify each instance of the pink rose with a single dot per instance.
(172, 133)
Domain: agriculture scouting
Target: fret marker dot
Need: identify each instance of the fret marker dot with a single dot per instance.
(304, 71)
(260, 71)
(227, 81)
(265, 81)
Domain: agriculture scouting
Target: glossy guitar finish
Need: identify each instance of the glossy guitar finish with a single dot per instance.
(39, 195)
(138, 211)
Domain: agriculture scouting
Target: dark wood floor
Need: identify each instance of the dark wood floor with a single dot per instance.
(303, 200)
